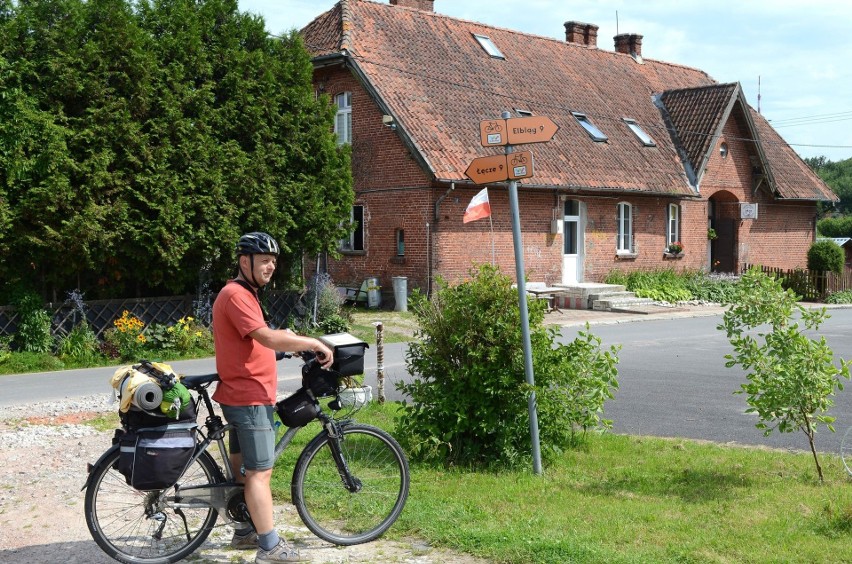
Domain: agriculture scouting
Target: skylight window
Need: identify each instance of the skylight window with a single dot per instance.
(640, 133)
(523, 113)
(595, 133)
(488, 45)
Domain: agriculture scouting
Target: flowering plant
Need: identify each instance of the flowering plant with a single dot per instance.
(676, 247)
(126, 337)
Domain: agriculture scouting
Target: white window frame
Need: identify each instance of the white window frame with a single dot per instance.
(594, 132)
(639, 132)
(488, 46)
(355, 242)
(343, 119)
(672, 224)
(624, 229)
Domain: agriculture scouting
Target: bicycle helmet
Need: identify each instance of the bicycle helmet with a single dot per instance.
(257, 243)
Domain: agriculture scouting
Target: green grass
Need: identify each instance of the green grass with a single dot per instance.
(26, 362)
(632, 499)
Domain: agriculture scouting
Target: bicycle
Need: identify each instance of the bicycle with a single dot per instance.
(349, 484)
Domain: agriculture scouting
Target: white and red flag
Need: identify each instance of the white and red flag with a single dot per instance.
(478, 208)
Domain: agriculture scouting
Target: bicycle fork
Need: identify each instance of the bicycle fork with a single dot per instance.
(335, 437)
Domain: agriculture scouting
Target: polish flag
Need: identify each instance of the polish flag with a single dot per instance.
(478, 208)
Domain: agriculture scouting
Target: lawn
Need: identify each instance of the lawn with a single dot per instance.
(633, 499)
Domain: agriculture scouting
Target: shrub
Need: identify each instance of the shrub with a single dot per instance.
(844, 297)
(826, 256)
(5, 349)
(468, 402)
(835, 226)
(188, 334)
(326, 306)
(664, 285)
(717, 288)
(33, 333)
(81, 345)
(791, 377)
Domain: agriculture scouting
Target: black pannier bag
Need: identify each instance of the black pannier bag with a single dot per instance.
(297, 410)
(153, 458)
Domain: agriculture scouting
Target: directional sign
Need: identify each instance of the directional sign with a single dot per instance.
(483, 170)
(492, 132)
(520, 165)
(533, 129)
(498, 168)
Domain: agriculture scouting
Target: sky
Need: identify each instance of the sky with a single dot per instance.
(793, 55)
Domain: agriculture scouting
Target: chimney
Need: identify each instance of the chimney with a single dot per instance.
(423, 5)
(629, 44)
(581, 34)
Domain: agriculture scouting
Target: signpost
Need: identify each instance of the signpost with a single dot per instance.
(513, 166)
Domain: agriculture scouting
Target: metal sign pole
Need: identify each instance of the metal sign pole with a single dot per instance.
(525, 320)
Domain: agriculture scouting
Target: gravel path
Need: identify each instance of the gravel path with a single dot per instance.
(44, 449)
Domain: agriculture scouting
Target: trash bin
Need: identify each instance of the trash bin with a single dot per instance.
(400, 293)
(374, 293)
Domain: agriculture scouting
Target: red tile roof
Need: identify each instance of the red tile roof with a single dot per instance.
(438, 83)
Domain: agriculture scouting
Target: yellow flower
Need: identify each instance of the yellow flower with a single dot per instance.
(141, 338)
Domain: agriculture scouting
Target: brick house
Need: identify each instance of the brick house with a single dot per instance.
(647, 153)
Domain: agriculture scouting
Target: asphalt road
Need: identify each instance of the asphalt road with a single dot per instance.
(672, 375)
(673, 383)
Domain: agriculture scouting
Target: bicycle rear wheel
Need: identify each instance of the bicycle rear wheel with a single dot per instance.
(332, 512)
(143, 527)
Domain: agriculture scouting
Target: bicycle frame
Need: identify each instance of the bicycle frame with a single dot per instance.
(218, 496)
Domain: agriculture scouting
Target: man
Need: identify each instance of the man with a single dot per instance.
(245, 360)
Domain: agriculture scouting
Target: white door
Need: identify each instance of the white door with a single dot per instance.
(572, 242)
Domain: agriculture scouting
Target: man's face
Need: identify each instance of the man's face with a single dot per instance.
(264, 267)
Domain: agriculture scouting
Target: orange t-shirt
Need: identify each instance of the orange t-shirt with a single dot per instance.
(246, 368)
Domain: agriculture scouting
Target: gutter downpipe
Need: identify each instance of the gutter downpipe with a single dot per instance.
(429, 252)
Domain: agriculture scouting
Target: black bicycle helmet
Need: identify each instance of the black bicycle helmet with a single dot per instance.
(257, 243)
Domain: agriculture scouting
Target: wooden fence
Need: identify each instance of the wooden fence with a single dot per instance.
(811, 285)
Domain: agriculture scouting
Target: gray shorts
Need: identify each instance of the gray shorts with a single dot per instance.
(252, 434)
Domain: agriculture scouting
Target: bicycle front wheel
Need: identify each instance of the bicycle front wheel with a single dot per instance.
(144, 527)
(330, 510)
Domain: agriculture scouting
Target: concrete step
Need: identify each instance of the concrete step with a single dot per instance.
(610, 295)
(620, 303)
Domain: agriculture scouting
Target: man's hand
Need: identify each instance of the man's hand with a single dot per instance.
(324, 354)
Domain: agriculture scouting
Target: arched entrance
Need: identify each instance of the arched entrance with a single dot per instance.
(723, 217)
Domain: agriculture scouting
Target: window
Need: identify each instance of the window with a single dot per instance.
(723, 150)
(355, 241)
(523, 113)
(343, 120)
(570, 230)
(595, 133)
(673, 224)
(400, 242)
(639, 132)
(624, 241)
(489, 47)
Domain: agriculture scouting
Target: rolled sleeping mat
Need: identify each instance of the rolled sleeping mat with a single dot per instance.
(146, 396)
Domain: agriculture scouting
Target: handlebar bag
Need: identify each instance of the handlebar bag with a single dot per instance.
(154, 458)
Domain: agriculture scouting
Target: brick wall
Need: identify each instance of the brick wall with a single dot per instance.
(398, 195)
